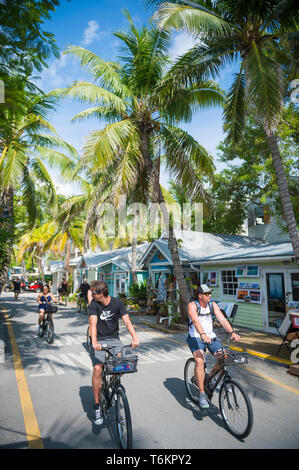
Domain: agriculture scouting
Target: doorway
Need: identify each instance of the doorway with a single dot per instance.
(276, 299)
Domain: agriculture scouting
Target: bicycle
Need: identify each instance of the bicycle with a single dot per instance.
(47, 325)
(82, 305)
(235, 406)
(113, 393)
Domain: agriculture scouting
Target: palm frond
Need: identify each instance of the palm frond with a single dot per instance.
(235, 107)
(187, 161)
(105, 72)
(196, 19)
(28, 196)
(265, 85)
(43, 175)
(102, 146)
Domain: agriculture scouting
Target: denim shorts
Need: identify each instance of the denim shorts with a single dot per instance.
(196, 343)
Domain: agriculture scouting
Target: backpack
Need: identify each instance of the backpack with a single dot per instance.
(210, 304)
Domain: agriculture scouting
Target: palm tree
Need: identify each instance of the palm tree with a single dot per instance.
(259, 35)
(141, 102)
(26, 141)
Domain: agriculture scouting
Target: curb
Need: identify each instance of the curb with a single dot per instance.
(161, 328)
(252, 352)
(2, 339)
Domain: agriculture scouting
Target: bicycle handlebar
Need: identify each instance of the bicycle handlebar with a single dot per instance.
(109, 349)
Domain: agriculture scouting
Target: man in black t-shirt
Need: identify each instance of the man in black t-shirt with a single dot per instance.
(104, 315)
(84, 288)
(17, 288)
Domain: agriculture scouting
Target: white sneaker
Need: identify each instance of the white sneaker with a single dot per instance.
(98, 416)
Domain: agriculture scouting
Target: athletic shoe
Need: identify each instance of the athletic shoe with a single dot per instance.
(98, 416)
(203, 401)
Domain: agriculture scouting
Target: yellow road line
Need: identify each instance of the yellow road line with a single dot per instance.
(276, 382)
(30, 421)
(266, 377)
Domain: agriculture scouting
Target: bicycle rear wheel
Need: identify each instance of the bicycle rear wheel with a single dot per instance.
(190, 381)
(78, 306)
(236, 409)
(123, 420)
(50, 332)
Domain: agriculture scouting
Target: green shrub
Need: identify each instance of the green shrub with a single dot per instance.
(138, 292)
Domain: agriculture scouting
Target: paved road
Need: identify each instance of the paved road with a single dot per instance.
(46, 396)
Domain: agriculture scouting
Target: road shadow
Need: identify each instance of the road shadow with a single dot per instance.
(177, 388)
(86, 396)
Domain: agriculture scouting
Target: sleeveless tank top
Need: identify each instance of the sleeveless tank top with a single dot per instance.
(205, 319)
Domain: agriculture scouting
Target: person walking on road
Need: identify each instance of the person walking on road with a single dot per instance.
(104, 314)
(17, 288)
(62, 290)
(201, 335)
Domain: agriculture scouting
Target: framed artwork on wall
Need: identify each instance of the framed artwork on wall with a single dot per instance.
(253, 296)
(209, 278)
(249, 270)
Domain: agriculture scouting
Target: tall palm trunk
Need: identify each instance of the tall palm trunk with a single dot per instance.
(284, 192)
(8, 227)
(67, 258)
(134, 246)
(40, 265)
(157, 196)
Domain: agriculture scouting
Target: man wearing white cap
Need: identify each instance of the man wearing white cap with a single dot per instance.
(201, 335)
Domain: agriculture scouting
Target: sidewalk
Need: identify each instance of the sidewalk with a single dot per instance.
(263, 345)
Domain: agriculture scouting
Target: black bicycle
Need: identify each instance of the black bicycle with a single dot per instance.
(235, 406)
(47, 326)
(82, 305)
(113, 393)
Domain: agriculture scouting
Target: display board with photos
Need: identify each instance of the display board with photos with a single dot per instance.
(253, 296)
(248, 270)
(209, 278)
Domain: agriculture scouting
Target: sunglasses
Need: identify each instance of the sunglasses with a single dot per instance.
(96, 292)
(208, 293)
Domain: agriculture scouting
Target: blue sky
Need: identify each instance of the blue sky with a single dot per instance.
(91, 24)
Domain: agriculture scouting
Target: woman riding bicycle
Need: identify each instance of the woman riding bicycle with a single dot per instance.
(43, 300)
(202, 336)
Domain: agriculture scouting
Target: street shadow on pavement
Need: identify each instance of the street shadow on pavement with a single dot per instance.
(177, 388)
(86, 397)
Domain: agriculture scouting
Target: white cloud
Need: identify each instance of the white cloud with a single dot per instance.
(90, 33)
(182, 43)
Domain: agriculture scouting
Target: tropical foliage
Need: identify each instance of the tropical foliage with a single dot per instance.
(141, 102)
(261, 36)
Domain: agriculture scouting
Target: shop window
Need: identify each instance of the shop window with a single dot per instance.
(229, 282)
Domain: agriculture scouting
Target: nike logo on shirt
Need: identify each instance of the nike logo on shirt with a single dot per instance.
(106, 314)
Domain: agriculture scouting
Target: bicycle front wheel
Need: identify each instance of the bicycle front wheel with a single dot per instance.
(123, 420)
(88, 339)
(236, 409)
(190, 381)
(50, 332)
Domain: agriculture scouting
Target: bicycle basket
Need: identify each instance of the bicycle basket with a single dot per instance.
(232, 358)
(121, 365)
(51, 308)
